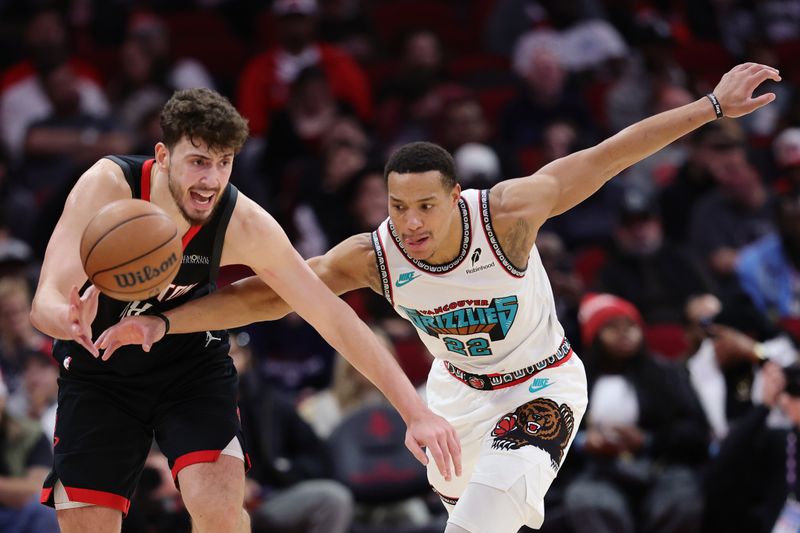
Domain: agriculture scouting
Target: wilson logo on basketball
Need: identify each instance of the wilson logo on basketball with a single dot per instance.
(145, 274)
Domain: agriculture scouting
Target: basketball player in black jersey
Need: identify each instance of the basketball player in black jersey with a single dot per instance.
(183, 390)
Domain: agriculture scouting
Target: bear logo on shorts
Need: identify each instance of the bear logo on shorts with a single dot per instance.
(541, 423)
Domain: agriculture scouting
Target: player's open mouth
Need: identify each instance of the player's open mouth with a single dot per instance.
(415, 243)
(202, 199)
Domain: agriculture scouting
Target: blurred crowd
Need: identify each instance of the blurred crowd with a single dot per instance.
(678, 283)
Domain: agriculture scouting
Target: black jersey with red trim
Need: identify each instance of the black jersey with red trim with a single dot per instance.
(202, 250)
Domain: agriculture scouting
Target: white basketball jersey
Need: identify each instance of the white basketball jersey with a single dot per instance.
(479, 311)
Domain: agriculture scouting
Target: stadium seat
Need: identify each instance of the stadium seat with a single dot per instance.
(666, 339)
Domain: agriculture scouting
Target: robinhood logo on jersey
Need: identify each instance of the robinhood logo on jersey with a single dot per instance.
(466, 317)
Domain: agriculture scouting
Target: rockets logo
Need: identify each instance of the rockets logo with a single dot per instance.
(467, 317)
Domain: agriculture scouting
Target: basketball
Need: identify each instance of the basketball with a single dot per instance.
(131, 250)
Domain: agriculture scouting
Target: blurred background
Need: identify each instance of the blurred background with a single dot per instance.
(675, 282)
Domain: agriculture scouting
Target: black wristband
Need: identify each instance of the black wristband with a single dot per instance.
(166, 322)
(715, 103)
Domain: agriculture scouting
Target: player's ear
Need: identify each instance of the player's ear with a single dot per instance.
(162, 155)
(455, 194)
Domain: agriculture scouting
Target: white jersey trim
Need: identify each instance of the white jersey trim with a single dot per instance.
(383, 267)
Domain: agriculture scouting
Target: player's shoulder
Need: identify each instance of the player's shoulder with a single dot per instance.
(356, 247)
(104, 175)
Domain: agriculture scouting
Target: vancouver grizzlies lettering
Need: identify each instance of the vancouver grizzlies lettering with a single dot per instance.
(467, 317)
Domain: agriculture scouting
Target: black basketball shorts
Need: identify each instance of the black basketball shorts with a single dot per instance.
(106, 423)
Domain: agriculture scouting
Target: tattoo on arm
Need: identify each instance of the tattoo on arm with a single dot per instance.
(517, 243)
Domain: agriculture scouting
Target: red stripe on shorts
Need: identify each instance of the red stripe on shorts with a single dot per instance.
(202, 456)
(98, 497)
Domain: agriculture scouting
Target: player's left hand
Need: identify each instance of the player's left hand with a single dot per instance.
(735, 89)
(440, 439)
(143, 330)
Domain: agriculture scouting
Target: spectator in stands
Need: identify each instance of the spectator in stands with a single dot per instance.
(477, 166)
(37, 395)
(23, 98)
(752, 482)
(654, 275)
(546, 95)
(344, 23)
(568, 288)
(463, 121)
(582, 44)
(287, 489)
(724, 369)
(653, 67)
(786, 153)
(414, 95)
(768, 268)
(737, 213)
(710, 147)
(348, 392)
(148, 74)
(644, 432)
(59, 146)
(17, 334)
(25, 460)
(265, 82)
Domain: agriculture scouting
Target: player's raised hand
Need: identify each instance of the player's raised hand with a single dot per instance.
(440, 439)
(81, 314)
(735, 89)
(143, 330)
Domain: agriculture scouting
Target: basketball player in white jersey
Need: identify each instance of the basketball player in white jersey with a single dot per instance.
(462, 267)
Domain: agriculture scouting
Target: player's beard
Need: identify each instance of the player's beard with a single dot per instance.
(177, 197)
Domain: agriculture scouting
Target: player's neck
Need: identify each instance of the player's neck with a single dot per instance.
(162, 197)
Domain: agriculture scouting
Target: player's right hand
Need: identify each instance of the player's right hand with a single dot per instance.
(735, 90)
(82, 312)
(143, 330)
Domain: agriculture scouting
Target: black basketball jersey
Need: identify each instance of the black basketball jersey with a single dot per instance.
(202, 250)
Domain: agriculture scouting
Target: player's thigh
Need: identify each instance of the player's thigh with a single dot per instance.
(485, 509)
(93, 518)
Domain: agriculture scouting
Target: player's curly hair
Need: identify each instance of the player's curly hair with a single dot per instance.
(423, 157)
(203, 115)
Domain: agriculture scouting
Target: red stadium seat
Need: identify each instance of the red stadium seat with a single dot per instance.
(666, 339)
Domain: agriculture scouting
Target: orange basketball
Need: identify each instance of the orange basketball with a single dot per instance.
(131, 250)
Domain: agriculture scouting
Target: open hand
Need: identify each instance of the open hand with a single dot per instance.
(735, 90)
(438, 436)
(143, 330)
(81, 314)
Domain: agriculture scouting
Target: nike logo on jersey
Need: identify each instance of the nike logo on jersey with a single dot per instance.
(406, 278)
(539, 384)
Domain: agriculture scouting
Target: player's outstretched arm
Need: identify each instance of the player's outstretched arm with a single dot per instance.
(243, 302)
(566, 182)
(57, 308)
